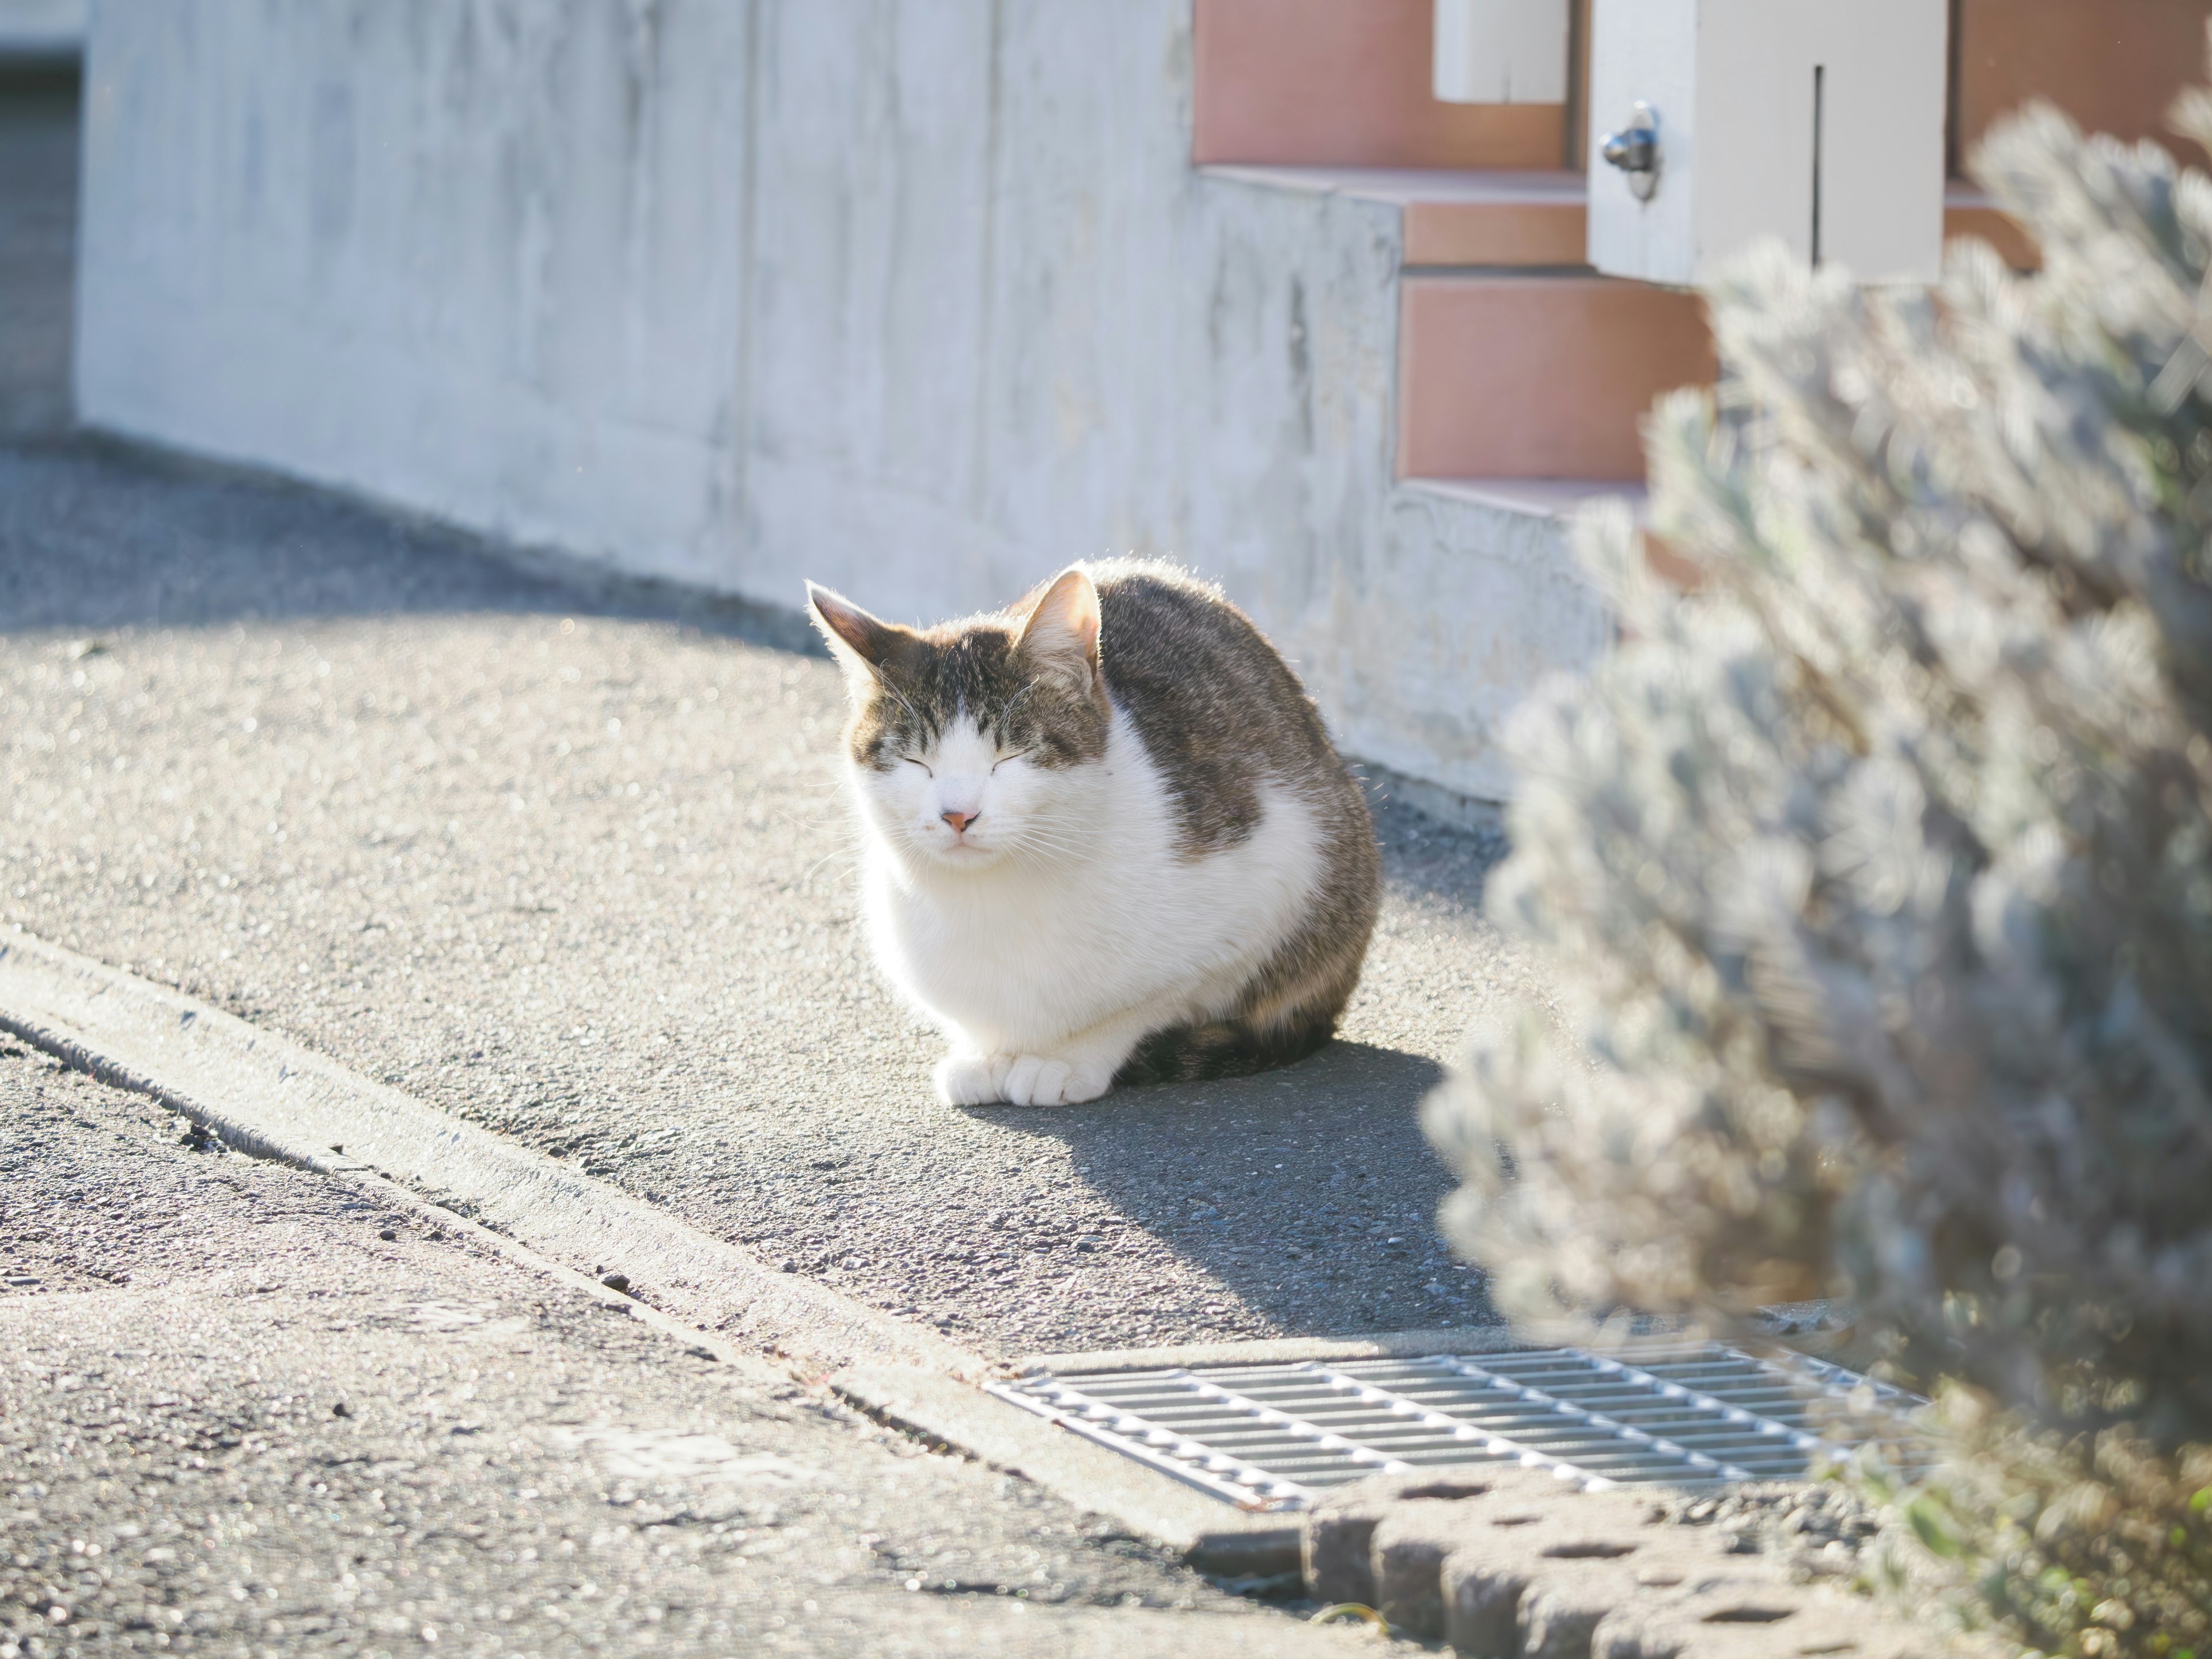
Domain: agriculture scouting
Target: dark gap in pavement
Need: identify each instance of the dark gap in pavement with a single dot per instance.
(97, 535)
(40, 103)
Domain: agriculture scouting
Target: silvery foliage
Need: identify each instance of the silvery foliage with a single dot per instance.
(1873, 871)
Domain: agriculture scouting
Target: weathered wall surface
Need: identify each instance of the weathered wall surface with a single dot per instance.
(478, 258)
(920, 302)
(41, 28)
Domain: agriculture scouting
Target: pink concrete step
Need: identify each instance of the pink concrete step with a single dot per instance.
(1516, 376)
(1345, 83)
(1456, 218)
(1537, 216)
(1508, 374)
(1516, 361)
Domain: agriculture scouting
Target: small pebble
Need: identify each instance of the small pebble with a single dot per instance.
(390, 1235)
(616, 1282)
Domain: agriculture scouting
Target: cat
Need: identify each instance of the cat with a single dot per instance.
(1105, 837)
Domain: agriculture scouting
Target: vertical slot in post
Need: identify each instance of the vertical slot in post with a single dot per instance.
(1819, 90)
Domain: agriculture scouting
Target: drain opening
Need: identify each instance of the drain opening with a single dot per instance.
(1277, 1436)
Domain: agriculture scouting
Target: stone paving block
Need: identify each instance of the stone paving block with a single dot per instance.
(1339, 1530)
(1565, 1603)
(1412, 1545)
(1541, 1592)
(1751, 1618)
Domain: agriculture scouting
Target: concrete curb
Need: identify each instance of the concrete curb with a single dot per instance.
(1284, 1349)
(275, 1099)
(1216, 1537)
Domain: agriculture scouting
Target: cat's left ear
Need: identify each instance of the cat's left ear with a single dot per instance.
(1061, 632)
(864, 646)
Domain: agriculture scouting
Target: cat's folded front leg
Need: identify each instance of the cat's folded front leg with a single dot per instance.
(1076, 1068)
(967, 1077)
(1079, 1067)
(1044, 1081)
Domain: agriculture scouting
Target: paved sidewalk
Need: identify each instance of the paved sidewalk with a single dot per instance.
(246, 1409)
(568, 862)
(581, 873)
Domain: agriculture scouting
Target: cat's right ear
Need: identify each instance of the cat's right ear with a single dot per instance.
(1060, 633)
(863, 645)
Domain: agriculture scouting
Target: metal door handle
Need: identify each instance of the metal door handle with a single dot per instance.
(1635, 150)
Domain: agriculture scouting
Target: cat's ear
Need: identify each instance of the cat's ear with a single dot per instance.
(1061, 631)
(863, 645)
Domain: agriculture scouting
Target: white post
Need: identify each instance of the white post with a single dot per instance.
(1733, 120)
(1501, 51)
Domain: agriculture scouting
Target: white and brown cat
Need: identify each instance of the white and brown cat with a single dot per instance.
(1106, 839)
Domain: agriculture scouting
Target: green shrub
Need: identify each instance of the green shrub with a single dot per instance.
(1874, 875)
(2095, 1545)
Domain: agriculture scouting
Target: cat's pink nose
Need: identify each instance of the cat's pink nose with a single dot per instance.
(960, 820)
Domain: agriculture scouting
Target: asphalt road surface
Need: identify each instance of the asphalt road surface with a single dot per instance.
(249, 1410)
(580, 872)
(567, 859)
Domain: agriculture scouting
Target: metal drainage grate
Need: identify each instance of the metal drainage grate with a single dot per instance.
(1276, 1437)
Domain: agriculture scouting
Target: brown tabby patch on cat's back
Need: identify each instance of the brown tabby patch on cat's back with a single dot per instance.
(1221, 714)
(1217, 710)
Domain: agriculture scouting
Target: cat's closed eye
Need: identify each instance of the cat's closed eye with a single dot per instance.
(911, 761)
(1016, 755)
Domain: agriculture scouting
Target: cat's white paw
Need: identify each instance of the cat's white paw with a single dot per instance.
(1035, 1081)
(972, 1080)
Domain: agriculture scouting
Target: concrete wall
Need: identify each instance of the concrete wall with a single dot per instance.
(42, 29)
(920, 300)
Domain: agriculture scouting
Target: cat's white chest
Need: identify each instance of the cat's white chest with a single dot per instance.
(1020, 957)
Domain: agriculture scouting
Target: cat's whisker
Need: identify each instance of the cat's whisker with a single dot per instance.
(1029, 845)
(850, 853)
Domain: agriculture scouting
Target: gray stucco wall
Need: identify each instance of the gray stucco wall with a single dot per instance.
(919, 300)
(41, 28)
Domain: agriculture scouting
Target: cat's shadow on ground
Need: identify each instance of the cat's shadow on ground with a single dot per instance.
(1310, 1191)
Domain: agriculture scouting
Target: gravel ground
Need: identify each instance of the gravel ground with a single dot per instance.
(573, 863)
(247, 1410)
(1815, 1529)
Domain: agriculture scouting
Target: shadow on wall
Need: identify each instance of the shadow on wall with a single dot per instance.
(38, 125)
(95, 535)
(98, 535)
